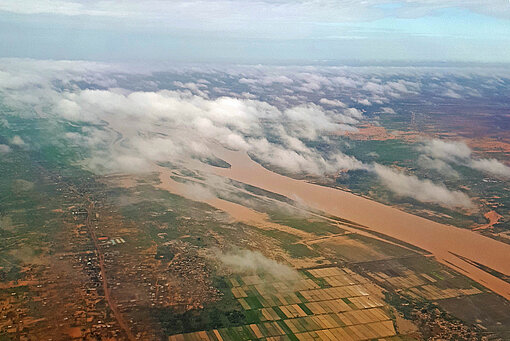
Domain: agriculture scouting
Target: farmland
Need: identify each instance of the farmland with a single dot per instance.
(322, 303)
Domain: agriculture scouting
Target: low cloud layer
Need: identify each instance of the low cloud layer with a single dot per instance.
(439, 166)
(129, 119)
(491, 166)
(421, 190)
(439, 152)
(246, 261)
(450, 151)
(169, 125)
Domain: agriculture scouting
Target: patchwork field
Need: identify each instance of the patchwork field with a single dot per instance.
(325, 303)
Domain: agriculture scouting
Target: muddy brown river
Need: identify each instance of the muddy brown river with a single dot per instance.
(445, 242)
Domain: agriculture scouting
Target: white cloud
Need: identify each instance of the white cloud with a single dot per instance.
(365, 102)
(305, 162)
(162, 125)
(18, 141)
(491, 166)
(446, 150)
(354, 113)
(438, 165)
(421, 190)
(267, 80)
(185, 124)
(198, 192)
(246, 261)
(452, 94)
(347, 162)
(308, 120)
(388, 110)
(460, 153)
(332, 103)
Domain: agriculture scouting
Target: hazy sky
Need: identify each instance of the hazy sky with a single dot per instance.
(252, 31)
